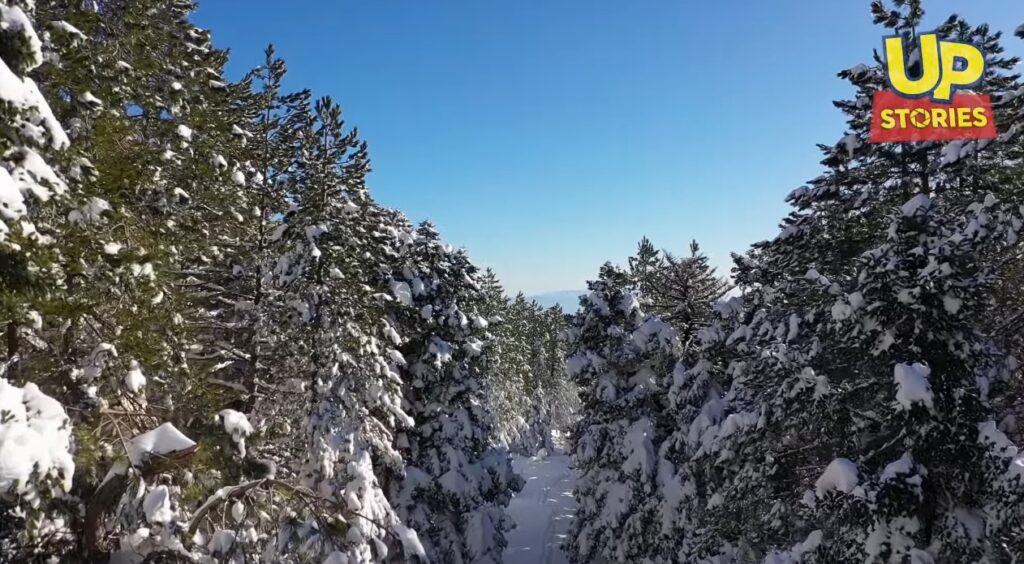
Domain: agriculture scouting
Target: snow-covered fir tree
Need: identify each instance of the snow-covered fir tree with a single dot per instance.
(243, 347)
(644, 266)
(621, 360)
(146, 310)
(503, 365)
(553, 396)
(511, 378)
(456, 483)
(38, 510)
(813, 452)
(321, 285)
(528, 388)
(679, 289)
(123, 314)
(561, 396)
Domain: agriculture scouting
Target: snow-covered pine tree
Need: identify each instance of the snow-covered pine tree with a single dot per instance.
(561, 395)
(679, 289)
(537, 436)
(260, 171)
(143, 92)
(839, 214)
(507, 372)
(1005, 318)
(243, 346)
(456, 484)
(501, 391)
(644, 266)
(621, 360)
(37, 516)
(684, 289)
(34, 135)
(527, 386)
(813, 452)
(130, 295)
(31, 187)
(322, 279)
(696, 402)
(553, 396)
(493, 294)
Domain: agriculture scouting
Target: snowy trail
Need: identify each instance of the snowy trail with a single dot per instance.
(542, 511)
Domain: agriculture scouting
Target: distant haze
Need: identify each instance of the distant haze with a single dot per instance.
(568, 299)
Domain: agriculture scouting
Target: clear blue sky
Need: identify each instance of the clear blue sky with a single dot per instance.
(548, 136)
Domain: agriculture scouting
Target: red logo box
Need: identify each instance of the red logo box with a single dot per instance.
(895, 119)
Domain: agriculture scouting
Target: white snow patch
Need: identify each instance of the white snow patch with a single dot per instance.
(221, 542)
(952, 303)
(15, 22)
(841, 474)
(850, 143)
(795, 555)
(67, 28)
(402, 291)
(90, 99)
(238, 511)
(411, 544)
(920, 202)
(165, 439)
(542, 512)
(134, 380)
(90, 212)
(237, 425)
(638, 442)
(912, 385)
(35, 436)
(157, 506)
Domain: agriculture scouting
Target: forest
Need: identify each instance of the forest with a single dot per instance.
(219, 347)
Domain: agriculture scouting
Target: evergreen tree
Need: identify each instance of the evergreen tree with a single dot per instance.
(144, 92)
(324, 293)
(685, 288)
(240, 282)
(537, 436)
(512, 384)
(620, 359)
(528, 389)
(561, 394)
(644, 267)
(681, 290)
(455, 485)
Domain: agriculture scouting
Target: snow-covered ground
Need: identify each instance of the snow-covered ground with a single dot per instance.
(542, 511)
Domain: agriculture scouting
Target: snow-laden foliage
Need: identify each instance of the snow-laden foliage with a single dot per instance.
(858, 402)
(456, 484)
(36, 469)
(219, 348)
(32, 130)
(529, 390)
(322, 291)
(678, 289)
(621, 360)
(858, 407)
